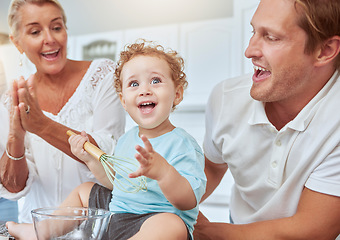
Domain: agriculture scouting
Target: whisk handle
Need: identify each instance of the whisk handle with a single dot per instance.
(89, 147)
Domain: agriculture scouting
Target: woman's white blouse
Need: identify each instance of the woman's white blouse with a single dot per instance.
(95, 108)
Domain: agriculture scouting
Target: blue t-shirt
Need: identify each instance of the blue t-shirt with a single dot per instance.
(182, 151)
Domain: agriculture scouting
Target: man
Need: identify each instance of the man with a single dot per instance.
(281, 143)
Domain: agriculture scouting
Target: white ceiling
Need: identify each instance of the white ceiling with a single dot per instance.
(91, 16)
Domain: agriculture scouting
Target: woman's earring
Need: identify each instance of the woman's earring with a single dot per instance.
(20, 61)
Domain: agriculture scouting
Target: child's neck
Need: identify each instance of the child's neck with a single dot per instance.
(155, 132)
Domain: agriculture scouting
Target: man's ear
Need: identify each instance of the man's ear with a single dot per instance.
(122, 100)
(328, 51)
(178, 95)
(16, 44)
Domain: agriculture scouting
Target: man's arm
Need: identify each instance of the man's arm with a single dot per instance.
(214, 173)
(317, 217)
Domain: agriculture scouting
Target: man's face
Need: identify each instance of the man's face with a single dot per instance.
(282, 71)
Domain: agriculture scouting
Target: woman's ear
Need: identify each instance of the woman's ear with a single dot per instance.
(178, 95)
(16, 44)
(328, 51)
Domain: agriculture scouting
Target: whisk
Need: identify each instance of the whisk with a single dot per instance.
(114, 166)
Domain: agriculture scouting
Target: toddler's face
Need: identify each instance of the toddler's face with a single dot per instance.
(148, 91)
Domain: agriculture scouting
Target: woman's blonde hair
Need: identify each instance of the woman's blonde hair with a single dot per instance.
(14, 16)
(320, 19)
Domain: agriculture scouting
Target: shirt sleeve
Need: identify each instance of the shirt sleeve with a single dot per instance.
(212, 114)
(194, 173)
(326, 177)
(15, 196)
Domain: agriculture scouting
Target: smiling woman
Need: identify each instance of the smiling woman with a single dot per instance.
(62, 94)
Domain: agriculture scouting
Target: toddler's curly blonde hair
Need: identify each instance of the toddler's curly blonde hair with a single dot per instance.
(149, 48)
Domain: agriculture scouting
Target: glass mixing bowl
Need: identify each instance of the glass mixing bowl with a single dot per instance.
(70, 223)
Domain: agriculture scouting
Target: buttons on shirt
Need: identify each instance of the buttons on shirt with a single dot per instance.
(278, 143)
(274, 164)
(275, 169)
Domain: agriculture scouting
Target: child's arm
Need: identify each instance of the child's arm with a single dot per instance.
(77, 148)
(175, 187)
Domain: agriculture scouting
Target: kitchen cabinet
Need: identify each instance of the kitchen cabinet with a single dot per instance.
(208, 51)
(97, 45)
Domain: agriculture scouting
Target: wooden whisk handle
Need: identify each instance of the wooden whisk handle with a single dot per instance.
(89, 147)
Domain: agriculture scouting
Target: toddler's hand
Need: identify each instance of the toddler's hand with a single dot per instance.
(77, 146)
(152, 164)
